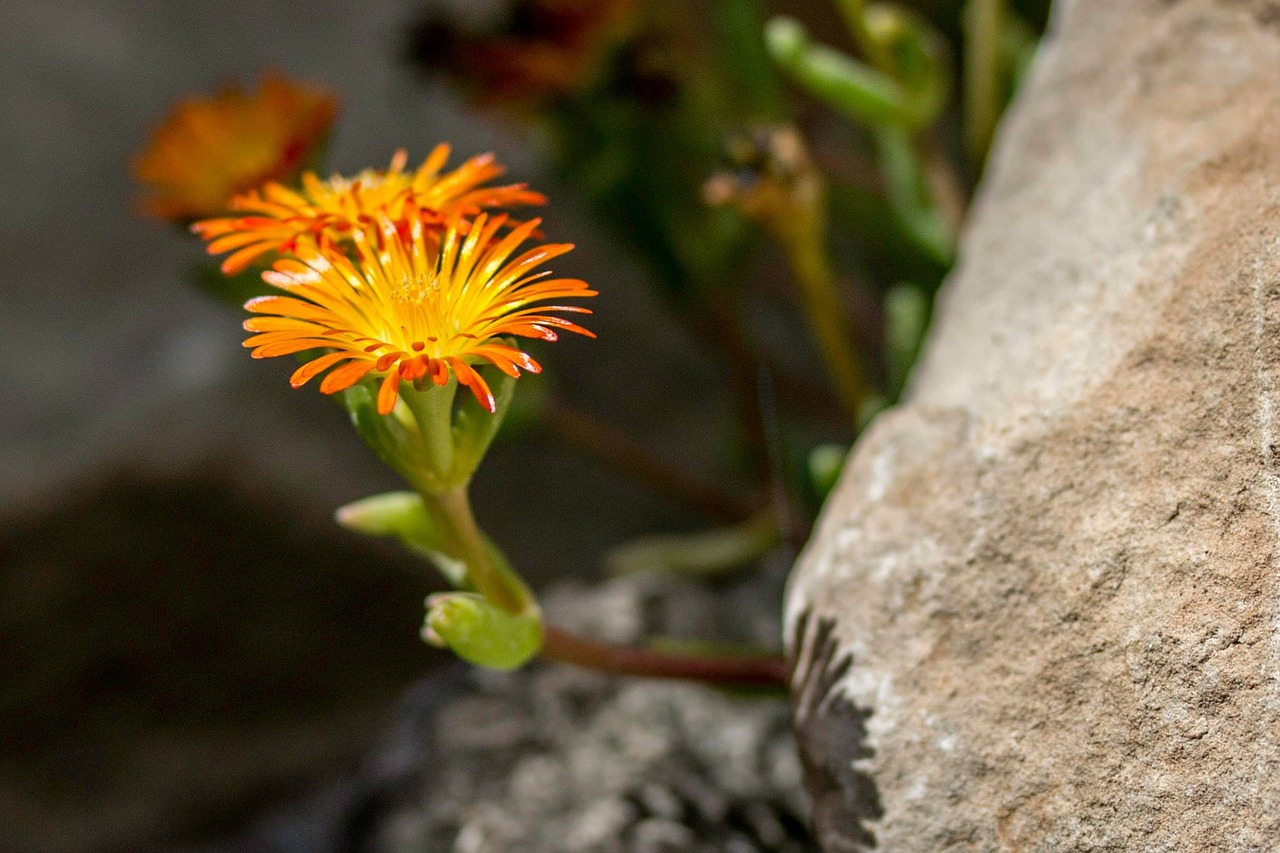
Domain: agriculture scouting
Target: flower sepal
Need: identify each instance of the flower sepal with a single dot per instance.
(480, 632)
(393, 437)
(434, 437)
(474, 426)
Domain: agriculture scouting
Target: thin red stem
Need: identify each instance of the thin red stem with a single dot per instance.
(622, 453)
(725, 671)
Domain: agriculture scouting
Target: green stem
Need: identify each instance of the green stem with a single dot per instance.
(825, 313)
(491, 576)
(907, 187)
(983, 24)
(433, 410)
(855, 17)
(487, 571)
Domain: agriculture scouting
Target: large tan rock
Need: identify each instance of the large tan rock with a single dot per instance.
(1041, 610)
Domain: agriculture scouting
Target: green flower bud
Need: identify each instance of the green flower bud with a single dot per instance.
(482, 633)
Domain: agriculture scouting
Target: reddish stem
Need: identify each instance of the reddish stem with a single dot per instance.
(625, 455)
(564, 647)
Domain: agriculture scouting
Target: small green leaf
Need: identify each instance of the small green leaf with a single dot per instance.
(404, 516)
(906, 315)
(391, 514)
(706, 553)
(860, 92)
(826, 461)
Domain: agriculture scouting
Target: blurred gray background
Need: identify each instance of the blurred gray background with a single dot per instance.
(185, 636)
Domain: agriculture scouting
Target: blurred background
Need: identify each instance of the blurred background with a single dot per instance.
(186, 637)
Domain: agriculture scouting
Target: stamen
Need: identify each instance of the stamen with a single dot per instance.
(417, 289)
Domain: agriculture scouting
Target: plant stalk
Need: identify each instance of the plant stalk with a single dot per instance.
(565, 647)
(486, 570)
(625, 455)
(983, 23)
(825, 313)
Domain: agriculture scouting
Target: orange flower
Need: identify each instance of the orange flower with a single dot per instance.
(412, 307)
(325, 213)
(209, 149)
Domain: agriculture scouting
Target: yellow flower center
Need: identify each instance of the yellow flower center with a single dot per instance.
(416, 289)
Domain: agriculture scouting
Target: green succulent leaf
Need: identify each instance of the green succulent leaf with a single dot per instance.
(856, 90)
(480, 632)
(404, 516)
(474, 427)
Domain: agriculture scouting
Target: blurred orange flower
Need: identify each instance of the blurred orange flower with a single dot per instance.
(547, 48)
(325, 213)
(209, 149)
(414, 306)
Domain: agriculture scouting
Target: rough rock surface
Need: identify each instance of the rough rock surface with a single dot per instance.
(1041, 609)
(557, 760)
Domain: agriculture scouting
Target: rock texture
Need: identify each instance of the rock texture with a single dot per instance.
(1041, 610)
(558, 760)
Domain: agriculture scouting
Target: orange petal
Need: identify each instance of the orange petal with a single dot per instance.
(388, 359)
(286, 348)
(388, 392)
(286, 306)
(438, 370)
(507, 359)
(234, 240)
(315, 367)
(281, 324)
(346, 376)
(239, 261)
(473, 380)
(414, 368)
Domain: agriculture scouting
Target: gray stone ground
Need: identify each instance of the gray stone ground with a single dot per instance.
(557, 760)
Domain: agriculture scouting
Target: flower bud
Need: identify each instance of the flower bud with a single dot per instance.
(480, 632)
